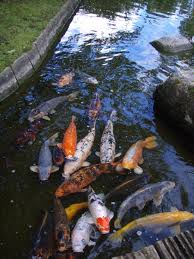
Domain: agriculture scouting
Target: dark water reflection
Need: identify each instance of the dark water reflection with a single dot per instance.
(108, 40)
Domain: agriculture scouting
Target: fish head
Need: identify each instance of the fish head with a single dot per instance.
(59, 192)
(34, 115)
(128, 164)
(40, 253)
(63, 239)
(78, 244)
(44, 173)
(103, 224)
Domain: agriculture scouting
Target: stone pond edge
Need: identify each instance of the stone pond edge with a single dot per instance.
(13, 76)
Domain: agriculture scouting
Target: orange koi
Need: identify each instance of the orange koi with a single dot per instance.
(134, 155)
(66, 79)
(69, 140)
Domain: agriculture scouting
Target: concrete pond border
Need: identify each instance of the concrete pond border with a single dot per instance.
(13, 76)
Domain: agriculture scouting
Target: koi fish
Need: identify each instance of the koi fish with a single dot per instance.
(73, 209)
(95, 107)
(69, 140)
(46, 108)
(100, 214)
(82, 152)
(84, 177)
(45, 167)
(138, 199)
(29, 134)
(66, 79)
(81, 233)
(58, 156)
(61, 227)
(134, 155)
(155, 222)
(130, 182)
(108, 144)
(87, 78)
(44, 245)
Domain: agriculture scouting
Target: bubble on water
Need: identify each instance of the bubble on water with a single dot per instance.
(29, 226)
(13, 171)
(11, 201)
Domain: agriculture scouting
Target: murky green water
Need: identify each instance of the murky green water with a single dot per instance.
(108, 40)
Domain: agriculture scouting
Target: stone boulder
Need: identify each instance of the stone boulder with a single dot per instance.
(174, 100)
(172, 44)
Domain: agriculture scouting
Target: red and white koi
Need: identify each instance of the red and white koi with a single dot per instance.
(100, 214)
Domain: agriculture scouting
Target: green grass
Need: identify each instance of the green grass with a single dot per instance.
(21, 22)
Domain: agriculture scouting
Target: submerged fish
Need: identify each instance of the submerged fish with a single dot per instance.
(73, 209)
(131, 182)
(134, 155)
(108, 144)
(61, 227)
(58, 156)
(155, 221)
(69, 140)
(138, 199)
(95, 107)
(100, 214)
(29, 134)
(87, 78)
(81, 233)
(44, 245)
(45, 167)
(66, 79)
(84, 177)
(82, 152)
(46, 108)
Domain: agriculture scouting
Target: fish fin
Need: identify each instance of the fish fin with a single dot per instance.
(110, 214)
(91, 243)
(54, 169)
(118, 154)
(66, 176)
(157, 200)
(59, 145)
(46, 118)
(117, 223)
(34, 168)
(52, 111)
(97, 154)
(141, 205)
(175, 229)
(141, 161)
(86, 163)
(119, 168)
(138, 170)
(84, 190)
(54, 84)
(150, 142)
(173, 209)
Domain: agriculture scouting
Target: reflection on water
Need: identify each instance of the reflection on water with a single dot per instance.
(110, 41)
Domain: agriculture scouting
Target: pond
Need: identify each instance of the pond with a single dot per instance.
(110, 41)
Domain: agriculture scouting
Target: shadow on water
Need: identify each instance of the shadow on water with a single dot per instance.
(109, 41)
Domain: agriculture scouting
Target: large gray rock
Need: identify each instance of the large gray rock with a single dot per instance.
(174, 99)
(172, 44)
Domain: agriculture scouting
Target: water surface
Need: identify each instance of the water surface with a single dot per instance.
(110, 41)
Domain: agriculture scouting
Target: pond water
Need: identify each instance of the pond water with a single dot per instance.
(110, 41)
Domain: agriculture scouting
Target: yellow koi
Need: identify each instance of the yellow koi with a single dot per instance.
(73, 209)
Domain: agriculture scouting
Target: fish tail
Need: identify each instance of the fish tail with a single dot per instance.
(52, 140)
(113, 116)
(117, 223)
(150, 142)
(90, 189)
